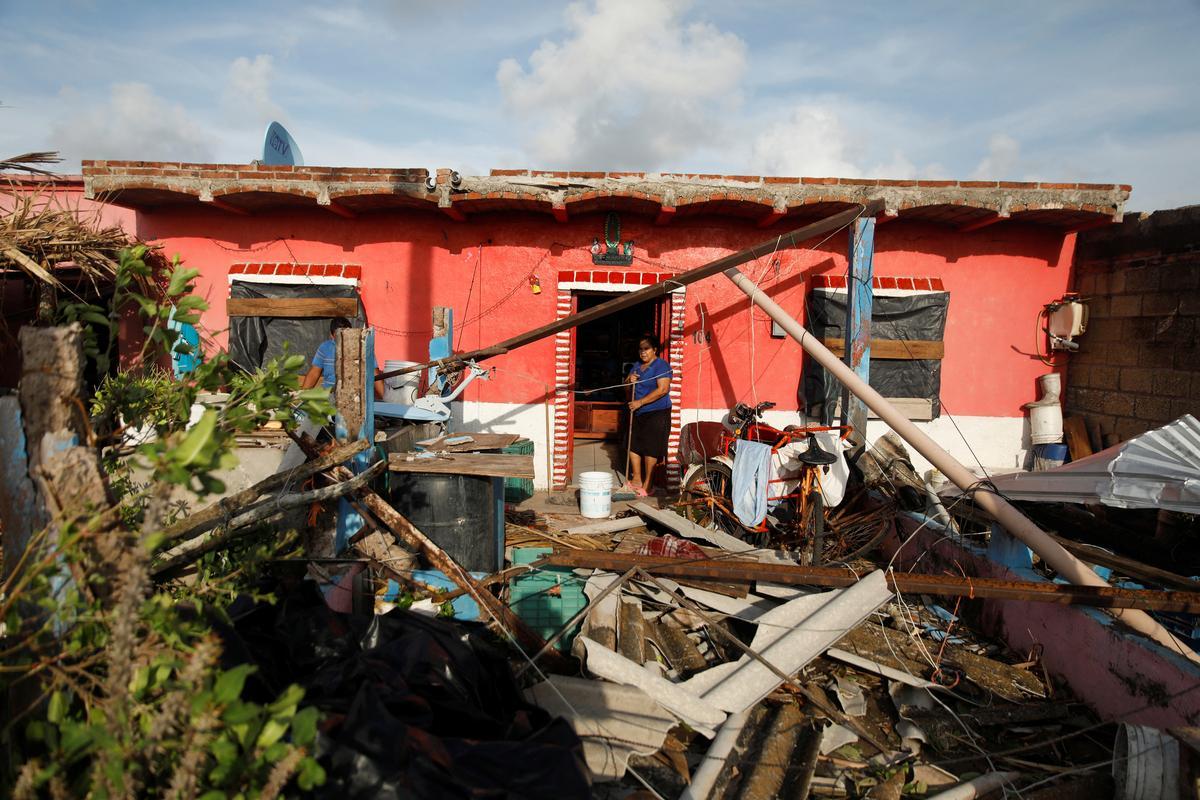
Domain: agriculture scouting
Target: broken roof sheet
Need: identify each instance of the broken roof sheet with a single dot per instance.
(1156, 469)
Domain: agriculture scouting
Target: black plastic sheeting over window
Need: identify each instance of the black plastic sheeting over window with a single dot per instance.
(255, 340)
(413, 706)
(917, 317)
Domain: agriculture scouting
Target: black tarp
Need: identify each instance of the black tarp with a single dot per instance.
(413, 706)
(916, 317)
(255, 340)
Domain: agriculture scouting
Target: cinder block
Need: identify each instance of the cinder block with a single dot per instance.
(1126, 305)
(1137, 379)
(1172, 383)
(1117, 404)
(1160, 303)
(1127, 428)
(1153, 409)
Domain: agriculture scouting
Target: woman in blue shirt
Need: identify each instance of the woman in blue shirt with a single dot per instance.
(650, 414)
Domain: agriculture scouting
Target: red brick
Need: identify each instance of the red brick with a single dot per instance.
(936, 285)
(266, 269)
(1125, 187)
(860, 182)
(626, 174)
(566, 276)
(922, 284)
(633, 277)
(1058, 185)
(978, 184)
(352, 271)
(931, 184)
(583, 277)
(509, 172)
(649, 278)
(819, 181)
(587, 175)
(743, 178)
(905, 283)
(887, 283)
(1018, 185)
(889, 182)
(776, 179)
(615, 277)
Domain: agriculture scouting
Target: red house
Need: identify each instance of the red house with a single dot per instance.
(514, 250)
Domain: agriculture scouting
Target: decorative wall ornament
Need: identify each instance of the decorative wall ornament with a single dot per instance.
(614, 254)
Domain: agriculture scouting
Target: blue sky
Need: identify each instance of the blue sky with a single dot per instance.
(1060, 91)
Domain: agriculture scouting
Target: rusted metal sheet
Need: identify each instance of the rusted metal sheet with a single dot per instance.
(903, 582)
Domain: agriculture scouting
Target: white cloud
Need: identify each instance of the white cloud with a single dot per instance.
(632, 85)
(811, 141)
(1002, 160)
(248, 92)
(134, 123)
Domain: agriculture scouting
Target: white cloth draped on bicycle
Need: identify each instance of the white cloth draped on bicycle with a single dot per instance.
(751, 471)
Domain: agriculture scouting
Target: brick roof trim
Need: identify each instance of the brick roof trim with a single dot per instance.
(558, 192)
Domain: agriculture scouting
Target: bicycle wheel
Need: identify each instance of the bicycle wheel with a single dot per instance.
(707, 499)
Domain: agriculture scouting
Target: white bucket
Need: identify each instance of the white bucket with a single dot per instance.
(1045, 424)
(1145, 764)
(595, 494)
(401, 388)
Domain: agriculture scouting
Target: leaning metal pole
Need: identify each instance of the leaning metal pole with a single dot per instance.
(1000, 509)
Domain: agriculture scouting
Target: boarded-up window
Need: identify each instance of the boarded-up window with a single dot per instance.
(254, 340)
(906, 335)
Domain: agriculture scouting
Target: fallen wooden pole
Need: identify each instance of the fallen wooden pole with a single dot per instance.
(790, 239)
(226, 508)
(1000, 509)
(901, 582)
(192, 549)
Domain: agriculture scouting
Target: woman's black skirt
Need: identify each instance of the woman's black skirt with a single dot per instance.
(650, 434)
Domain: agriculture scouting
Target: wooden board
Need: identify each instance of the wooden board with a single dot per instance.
(480, 441)
(1076, 435)
(899, 349)
(496, 465)
(292, 307)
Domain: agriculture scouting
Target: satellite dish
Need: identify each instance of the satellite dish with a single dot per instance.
(280, 148)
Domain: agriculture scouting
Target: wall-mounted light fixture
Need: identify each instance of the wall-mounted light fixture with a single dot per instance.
(535, 285)
(614, 253)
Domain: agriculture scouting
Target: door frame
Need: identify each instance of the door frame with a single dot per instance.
(571, 282)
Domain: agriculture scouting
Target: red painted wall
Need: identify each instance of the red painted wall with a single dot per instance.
(998, 279)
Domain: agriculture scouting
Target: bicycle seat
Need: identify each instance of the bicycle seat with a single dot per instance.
(814, 455)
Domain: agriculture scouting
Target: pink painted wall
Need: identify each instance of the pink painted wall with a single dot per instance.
(998, 279)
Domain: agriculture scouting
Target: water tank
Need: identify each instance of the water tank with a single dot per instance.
(456, 511)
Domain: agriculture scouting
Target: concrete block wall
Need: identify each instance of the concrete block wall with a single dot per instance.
(1138, 364)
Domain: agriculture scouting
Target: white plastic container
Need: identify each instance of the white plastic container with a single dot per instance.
(1045, 424)
(401, 388)
(595, 494)
(1145, 764)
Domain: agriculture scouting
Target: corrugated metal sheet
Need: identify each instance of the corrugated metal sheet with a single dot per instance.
(1157, 469)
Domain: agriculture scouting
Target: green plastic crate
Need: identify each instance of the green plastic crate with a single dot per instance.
(540, 605)
(517, 490)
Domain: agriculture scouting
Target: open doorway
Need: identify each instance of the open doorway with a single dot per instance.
(605, 352)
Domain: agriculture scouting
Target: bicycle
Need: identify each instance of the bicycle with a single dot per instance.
(806, 480)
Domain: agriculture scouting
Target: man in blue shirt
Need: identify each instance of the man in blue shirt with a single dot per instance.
(324, 361)
(650, 417)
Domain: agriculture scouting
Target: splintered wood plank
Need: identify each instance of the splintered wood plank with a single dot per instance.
(1076, 433)
(292, 306)
(680, 651)
(631, 631)
(479, 441)
(898, 349)
(496, 465)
